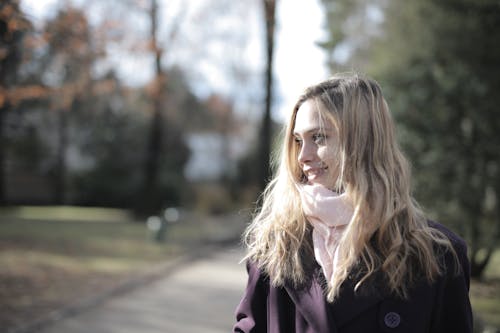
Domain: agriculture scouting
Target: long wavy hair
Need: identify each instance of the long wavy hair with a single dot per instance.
(388, 232)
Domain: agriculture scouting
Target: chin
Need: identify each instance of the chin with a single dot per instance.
(319, 182)
(323, 181)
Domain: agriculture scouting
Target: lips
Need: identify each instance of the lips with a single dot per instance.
(314, 172)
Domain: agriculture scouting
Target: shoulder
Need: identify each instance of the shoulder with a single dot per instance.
(456, 241)
(459, 247)
(452, 310)
(256, 274)
(253, 268)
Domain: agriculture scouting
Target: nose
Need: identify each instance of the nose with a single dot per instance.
(306, 153)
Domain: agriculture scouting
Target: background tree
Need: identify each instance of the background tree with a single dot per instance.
(154, 143)
(269, 7)
(83, 104)
(67, 68)
(438, 63)
(13, 28)
(350, 27)
(160, 143)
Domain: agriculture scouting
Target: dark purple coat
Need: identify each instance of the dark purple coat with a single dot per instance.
(440, 307)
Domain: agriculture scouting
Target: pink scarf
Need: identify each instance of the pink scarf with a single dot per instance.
(329, 213)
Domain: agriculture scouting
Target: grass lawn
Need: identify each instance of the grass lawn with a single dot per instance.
(56, 260)
(69, 253)
(485, 295)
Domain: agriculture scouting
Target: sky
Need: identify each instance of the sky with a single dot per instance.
(298, 61)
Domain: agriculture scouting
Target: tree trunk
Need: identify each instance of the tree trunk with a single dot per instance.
(61, 166)
(154, 145)
(478, 266)
(3, 198)
(153, 149)
(265, 135)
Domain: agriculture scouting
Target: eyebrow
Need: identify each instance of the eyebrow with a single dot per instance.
(312, 130)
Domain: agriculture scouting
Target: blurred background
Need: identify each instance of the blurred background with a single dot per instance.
(132, 131)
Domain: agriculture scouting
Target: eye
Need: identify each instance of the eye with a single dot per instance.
(298, 141)
(319, 138)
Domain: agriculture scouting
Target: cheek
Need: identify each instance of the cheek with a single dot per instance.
(328, 156)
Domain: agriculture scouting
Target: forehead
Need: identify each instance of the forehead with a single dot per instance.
(308, 118)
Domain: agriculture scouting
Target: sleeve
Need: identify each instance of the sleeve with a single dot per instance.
(251, 313)
(453, 311)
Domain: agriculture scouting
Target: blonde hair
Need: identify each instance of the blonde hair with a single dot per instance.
(388, 232)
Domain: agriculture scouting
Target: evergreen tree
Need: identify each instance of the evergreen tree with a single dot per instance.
(438, 62)
(13, 28)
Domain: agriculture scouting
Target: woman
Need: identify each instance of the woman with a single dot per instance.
(339, 244)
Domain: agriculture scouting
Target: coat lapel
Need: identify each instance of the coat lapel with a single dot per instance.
(311, 303)
(324, 317)
(349, 304)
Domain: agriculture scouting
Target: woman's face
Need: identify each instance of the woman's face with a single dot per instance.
(318, 145)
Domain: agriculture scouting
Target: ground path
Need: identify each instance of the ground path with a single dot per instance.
(197, 297)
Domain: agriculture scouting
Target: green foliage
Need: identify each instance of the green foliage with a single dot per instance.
(87, 134)
(485, 294)
(114, 141)
(245, 186)
(438, 63)
(112, 133)
(445, 101)
(13, 29)
(350, 26)
(84, 138)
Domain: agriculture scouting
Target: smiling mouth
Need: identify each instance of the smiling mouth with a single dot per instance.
(314, 173)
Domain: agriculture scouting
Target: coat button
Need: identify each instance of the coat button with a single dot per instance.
(392, 319)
